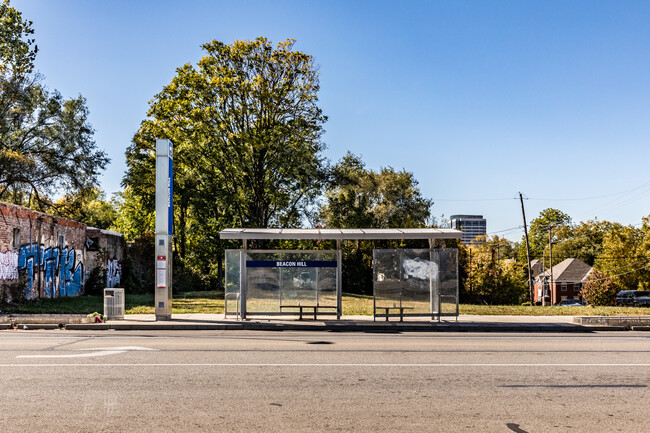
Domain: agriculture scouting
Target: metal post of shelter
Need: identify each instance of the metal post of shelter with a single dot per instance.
(431, 277)
(339, 279)
(243, 280)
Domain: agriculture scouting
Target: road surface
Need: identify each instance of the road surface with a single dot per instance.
(242, 381)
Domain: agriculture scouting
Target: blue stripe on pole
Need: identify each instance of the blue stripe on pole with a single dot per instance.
(291, 263)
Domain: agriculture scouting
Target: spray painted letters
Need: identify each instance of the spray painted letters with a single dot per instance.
(63, 275)
(113, 273)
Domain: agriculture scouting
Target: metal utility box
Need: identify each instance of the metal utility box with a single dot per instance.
(114, 303)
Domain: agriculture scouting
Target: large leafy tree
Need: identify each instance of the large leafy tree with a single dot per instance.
(358, 197)
(90, 207)
(246, 128)
(582, 241)
(549, 219)
(46, 144)
(625, 256)
(489, 273)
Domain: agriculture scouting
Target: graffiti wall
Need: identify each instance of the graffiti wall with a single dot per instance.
(60, 270)
(8, 265)
(113, 273)
(53, 255)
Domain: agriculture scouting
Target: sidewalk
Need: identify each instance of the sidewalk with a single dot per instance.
(464, 323)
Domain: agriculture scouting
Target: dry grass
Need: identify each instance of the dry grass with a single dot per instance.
(522, 310)
(353, 305)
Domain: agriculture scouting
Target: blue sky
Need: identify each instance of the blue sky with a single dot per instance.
(479, 99)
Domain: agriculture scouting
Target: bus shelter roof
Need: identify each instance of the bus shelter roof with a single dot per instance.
(340, 234)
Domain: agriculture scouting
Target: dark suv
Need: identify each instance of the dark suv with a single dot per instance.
(633, 298)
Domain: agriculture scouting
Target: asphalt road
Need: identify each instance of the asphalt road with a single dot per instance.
(239, 381)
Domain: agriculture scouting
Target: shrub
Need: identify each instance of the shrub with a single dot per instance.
(599, 289)
(96, 282)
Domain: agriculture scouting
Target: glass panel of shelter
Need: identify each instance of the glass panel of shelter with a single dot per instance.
(415, 282)
(232, 299)
(280, 282)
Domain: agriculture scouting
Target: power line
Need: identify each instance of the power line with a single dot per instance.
(628, 265)
(594, 197)
(619, 275)
(512, 229)
(545, 199)
(473, 199)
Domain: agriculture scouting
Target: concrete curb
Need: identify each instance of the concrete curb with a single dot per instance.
(348, 327)
(506, 324)
(628, 322)
(38, 326)
(34, 319)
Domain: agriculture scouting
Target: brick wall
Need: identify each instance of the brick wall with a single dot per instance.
(47, 254)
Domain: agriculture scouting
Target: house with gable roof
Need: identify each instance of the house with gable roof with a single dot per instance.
(563, 281)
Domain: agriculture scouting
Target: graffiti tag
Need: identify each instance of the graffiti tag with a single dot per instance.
(63, 275)
(9, 265)
(113, 273)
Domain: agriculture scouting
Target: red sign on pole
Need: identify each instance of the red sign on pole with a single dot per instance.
(161, 272)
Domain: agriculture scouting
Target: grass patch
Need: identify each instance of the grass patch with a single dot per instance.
(527, 310)
(356, 305)
(353, 305)
(73, 305)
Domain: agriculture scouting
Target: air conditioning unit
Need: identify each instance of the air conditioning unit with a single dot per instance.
(114, 304)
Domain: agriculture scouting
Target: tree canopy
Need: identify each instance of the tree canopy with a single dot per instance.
(358, 197)
(619, 254)
(247, 134)
(46, 144)
(548, 219)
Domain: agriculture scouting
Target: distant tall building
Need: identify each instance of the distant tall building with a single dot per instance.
(471, 226)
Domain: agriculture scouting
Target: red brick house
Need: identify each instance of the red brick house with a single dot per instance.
(567, 276)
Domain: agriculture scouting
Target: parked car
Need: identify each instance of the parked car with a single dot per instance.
(633, 298)
(569, 303)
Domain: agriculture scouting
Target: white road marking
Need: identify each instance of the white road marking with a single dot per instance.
(98, 352)
(318, 365)
(122, 348)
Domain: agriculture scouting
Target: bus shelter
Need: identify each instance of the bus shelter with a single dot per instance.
(309, 282)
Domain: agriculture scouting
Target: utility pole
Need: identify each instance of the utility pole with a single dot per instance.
(530, 275)
(470, 269)
(550, 254)
(543, 282)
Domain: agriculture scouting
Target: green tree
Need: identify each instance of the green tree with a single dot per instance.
(582, 241)
(490, 274)
(550, 218)
(134, 220)
(625, 257)
(89, 207)
(46, 144)
(599, 289)
(246, 128)
(358, 198)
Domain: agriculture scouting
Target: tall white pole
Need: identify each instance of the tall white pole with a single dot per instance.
(164, 231)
